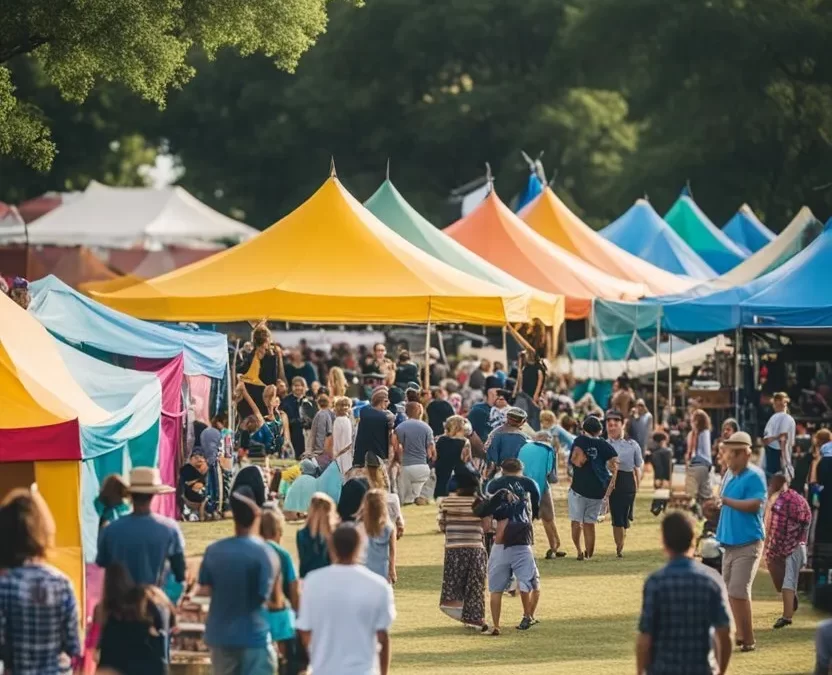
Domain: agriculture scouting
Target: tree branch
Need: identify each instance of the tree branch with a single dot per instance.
(23, 47)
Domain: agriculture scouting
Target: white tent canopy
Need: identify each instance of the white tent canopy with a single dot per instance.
(118, 217)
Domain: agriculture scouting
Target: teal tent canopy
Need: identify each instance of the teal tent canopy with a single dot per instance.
(746, 230)
(709, 242)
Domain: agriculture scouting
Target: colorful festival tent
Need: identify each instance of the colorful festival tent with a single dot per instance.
(494, 233)
(747, 231)
(534, 187)
(120, 217)
(372, 275)
(792, 296)
(711, 243)
(80, 321)
(550, 217)
(48, 425)
(391, 208)
(642, 232)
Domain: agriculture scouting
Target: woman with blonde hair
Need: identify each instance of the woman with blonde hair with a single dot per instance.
(313, 538)
(37, 603)
(452, 448)
(698, 460)
(336, 382)
(341, 440)
(374, 519)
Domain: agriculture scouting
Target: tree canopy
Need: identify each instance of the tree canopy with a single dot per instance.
(623, 98)
(141, 44)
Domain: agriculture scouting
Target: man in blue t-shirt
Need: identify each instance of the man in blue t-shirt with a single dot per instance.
(741, 531)
(539, 464)
(145, 543)
(594, 468)
(239, 574)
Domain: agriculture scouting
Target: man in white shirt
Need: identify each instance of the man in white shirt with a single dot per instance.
(778, 438)
(346, 612)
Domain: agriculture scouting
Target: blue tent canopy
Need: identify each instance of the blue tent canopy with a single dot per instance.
(794, 295)
(747, 230)
(642, 232)
(78, 320)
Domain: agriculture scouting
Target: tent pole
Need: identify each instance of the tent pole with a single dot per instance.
(670, 373)
(737, 373)
(505, 347)
(656, 373)
(427, 353)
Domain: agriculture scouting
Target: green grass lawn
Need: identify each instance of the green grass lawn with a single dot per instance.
(588, 610)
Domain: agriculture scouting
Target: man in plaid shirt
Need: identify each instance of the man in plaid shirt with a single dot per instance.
(685, 606)
(789, 517)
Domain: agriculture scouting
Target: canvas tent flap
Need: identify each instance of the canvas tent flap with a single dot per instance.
(121, 217)
(244, 282)
(711, 243)
(496, 234)
(747, 231)
(550, 217)
(77, 319)
(643, 233)
(391, 208)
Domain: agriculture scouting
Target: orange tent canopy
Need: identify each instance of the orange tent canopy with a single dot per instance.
(550, 217)
(493, 232)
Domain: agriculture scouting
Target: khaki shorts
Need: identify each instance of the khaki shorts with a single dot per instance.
(739, 567)
(547, 506)
(698, 482)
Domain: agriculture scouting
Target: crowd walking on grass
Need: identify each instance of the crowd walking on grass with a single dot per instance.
(488, 459)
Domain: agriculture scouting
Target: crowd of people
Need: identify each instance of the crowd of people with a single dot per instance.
(351, 442)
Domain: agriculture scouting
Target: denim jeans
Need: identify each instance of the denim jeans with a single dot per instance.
(250, 661)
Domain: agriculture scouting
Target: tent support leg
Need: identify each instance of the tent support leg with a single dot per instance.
(427, 354)
(670, 373)
(656, 373)
(737, 374)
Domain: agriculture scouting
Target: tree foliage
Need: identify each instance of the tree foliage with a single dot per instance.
(141, 44)
(625, 98)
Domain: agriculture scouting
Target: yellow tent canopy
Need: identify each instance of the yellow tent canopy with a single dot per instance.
(550, 217)
(41, 406)
(329, 261)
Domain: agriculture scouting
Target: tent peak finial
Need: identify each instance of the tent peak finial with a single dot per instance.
(332, 173)
(387, 176)
(489, 177)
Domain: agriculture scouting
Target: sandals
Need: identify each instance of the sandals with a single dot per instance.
(496, 632)
(752, 647)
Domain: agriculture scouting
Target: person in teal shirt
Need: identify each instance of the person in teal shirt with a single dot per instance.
(539, 464)
(741, 532)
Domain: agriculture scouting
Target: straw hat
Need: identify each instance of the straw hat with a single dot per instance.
(145, 480)
(737, 439)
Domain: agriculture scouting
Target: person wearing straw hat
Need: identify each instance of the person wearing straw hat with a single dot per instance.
(144, 542)
(778, 438)
(741, 532)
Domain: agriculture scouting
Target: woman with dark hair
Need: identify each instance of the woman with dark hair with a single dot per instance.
(528, 392)
(466, 561)
(406, 370)
(38, 611)
(112, 501)
(135, 623)
(630, 467)
(729, 427)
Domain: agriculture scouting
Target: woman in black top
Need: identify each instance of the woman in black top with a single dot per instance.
(452, 449)
(136, 622)
(532, 374)
(406, 370)
(438, 410)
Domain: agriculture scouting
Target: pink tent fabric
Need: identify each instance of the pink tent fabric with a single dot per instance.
(200, 389)
(170, 373)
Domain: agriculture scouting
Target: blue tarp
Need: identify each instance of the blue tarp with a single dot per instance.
(794, 295)
(533, 188)
(642, 232)
(747, 230)
(78, 320)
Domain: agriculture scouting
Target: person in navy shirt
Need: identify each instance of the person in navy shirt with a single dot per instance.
(741, 532)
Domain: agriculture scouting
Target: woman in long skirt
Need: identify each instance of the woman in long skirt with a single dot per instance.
(466, 562)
